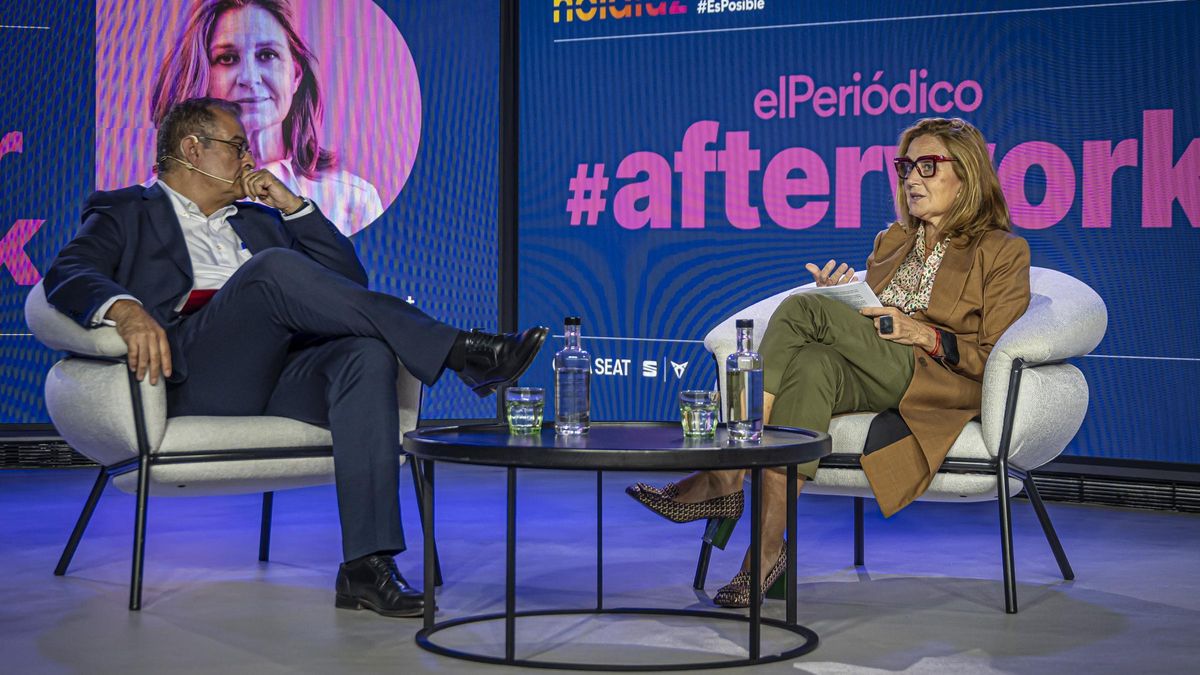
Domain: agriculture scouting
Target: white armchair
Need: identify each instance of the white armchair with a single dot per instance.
(1033, 405)
(103, 412)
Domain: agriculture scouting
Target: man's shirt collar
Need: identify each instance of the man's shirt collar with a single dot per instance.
(185, 206)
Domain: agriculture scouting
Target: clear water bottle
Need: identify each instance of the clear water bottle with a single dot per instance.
(572, 383)
(744, 387)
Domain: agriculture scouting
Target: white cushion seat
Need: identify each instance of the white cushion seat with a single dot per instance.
(102, 412)
(1065, 319)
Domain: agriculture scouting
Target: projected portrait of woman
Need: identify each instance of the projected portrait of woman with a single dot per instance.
(249, 51)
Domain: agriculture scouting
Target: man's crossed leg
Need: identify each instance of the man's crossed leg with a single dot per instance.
(286, 336)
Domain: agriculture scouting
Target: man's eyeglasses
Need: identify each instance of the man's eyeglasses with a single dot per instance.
(926, 165)
(243, 147)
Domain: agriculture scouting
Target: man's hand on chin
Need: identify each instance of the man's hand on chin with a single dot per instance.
(145, 340)
(262, 186)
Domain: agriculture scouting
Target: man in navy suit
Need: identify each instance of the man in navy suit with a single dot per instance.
(262, 309)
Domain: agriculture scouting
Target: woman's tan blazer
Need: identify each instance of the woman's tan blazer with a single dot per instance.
(981, 288)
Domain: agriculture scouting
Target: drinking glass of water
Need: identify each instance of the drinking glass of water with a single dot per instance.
(523, 407)
(698, 413)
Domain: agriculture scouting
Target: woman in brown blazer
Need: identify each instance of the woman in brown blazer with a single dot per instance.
(952, 279)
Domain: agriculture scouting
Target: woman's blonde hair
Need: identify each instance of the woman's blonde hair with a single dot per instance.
(184, 75)
(979, 205)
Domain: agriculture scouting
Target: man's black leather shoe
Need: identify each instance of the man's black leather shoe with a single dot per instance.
(375, 583)
(492, 360)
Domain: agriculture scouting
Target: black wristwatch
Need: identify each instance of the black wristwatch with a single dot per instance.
(303, 205)
(949, 347)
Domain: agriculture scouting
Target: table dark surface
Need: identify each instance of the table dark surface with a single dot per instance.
(615, 446)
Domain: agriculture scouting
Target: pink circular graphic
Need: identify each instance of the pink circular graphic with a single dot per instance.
(358, 64)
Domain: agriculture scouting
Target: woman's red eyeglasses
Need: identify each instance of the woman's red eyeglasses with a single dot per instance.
(926, 165)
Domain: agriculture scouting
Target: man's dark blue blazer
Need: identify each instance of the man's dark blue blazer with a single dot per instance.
(344, 376)
(131, 243)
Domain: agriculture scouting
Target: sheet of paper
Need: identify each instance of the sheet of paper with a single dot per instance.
(857, 294)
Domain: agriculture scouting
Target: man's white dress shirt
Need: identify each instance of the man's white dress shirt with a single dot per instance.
(216, 251)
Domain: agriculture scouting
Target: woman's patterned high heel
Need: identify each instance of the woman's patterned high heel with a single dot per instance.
(736, 593)
(663, 502)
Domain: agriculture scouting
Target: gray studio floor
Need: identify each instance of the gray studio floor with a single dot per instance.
(928, 601)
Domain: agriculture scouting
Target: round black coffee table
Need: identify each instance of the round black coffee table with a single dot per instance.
(615, 446)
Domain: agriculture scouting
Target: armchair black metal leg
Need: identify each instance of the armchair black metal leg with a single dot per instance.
(81, 524)
(1006, 544)
(139, 534)
(702, 565)
(420, 489)
(143, 492)
(264, 533)
(1064, 565)
(717, 532)
(1006, 547)
(858, 533)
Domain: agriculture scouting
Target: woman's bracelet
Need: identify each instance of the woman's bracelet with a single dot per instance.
(936, 352)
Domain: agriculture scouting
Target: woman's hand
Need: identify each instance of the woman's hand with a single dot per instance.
(829, 275)
(905, 329)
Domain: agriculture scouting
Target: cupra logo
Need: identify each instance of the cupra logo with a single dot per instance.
(679, 369)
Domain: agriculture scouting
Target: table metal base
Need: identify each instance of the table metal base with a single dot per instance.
(424, 640)
(615, 449)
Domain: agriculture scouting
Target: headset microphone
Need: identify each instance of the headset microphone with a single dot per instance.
(193, 167)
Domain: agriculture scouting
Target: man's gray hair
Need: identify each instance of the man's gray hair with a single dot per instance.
(193, 116)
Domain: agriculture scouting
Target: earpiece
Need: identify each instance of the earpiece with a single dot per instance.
(193, 167)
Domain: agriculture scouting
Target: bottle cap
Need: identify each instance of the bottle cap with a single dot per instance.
(745, 323)
(572, 321)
